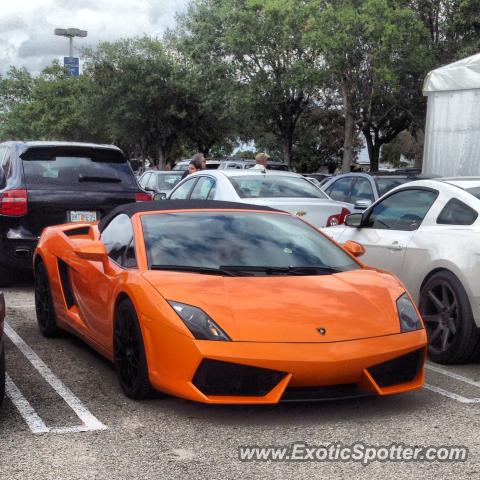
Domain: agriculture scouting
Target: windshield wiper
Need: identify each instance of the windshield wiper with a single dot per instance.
(92, 178)
(306, 270)
(194, 269)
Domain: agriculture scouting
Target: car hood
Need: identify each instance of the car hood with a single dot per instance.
(348, 306)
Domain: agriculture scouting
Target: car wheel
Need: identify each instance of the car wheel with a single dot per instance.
(453, 336)
(46, 320)
(129, 351)
(2, 375)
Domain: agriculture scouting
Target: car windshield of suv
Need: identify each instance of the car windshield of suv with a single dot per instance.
(240, 243)
(273, 186)
(385, 184)
(167, 181)
(76, 168)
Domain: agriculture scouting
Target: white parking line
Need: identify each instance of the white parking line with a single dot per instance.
(448, 373)
(453, 396)
(34, 422)
(455, 376)
(90, 422)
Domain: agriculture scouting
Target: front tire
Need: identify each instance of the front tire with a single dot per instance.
(47, 322)
(129, 351)
(453, 336)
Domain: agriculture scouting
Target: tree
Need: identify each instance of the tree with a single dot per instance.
(375, 53)
(261, 47)
(138, 94)
(45, 107)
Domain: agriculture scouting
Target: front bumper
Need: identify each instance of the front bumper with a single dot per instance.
(304, 370)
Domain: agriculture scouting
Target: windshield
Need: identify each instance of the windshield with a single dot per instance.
(219, 240)
(274, 186)
(386, 184)
(77, 169)
(168, 180)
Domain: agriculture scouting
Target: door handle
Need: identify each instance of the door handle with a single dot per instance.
(395, 247)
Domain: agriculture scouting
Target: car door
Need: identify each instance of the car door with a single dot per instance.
(340, 190)
(182, 191)
(389, 226)
(94, 289)
(204, 189)
(362, 192)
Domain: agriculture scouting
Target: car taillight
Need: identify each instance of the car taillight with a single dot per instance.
(14, 203)
(338, 219)
(143, 197)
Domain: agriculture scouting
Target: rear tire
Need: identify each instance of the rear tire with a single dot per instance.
(47, 322)
(453, 336)
(129, 352)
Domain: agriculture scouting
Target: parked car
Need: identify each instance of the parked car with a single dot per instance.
(360, 190)
(183, 165)
(47, 183)
(2, 349)
(320, 177)
(240, 164)
(283, 190)
(427, 232)
(228, 303)
(160, 183)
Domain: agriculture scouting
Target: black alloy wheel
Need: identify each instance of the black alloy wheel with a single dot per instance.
(453, 336)
(129, 351)
(46, 320)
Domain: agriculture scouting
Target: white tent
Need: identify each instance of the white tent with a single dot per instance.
(452, 133)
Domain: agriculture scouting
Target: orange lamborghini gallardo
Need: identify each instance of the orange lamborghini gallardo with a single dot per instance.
(228, 303)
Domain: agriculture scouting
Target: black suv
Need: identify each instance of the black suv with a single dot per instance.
(49, 183)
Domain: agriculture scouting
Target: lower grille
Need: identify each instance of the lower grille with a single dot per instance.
(327, 392)
(398, 370)
(214, 377)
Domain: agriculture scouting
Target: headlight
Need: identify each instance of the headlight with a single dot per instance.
(198, 322)
(409, 319)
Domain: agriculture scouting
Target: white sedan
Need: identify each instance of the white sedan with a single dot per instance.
(282, 190)
(428, 233)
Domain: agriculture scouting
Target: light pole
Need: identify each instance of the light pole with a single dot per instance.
(71, 64)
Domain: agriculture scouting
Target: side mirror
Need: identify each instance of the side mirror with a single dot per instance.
(93, 250)
(160, 196)
(362, 204)
(354, 248)
(354, 220)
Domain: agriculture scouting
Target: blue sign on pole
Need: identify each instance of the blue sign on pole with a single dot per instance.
(72, 66)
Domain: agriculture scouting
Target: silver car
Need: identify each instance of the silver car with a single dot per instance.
(282, 190)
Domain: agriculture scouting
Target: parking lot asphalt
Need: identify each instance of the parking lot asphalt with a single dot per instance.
(65, 418)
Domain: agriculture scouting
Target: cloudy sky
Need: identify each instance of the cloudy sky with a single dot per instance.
(26, 26)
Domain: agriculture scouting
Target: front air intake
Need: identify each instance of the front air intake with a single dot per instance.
(398, 370)
(232, 379)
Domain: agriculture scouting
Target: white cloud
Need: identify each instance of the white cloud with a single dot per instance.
(26, 26)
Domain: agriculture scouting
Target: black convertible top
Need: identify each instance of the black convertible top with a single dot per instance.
(133, 208)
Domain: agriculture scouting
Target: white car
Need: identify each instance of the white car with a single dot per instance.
(282, 190)
(428, 233)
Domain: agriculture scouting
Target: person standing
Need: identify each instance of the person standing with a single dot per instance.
(261, 161)
(194, 166)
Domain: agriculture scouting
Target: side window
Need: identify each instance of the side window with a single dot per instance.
(340, 190)
(118, 240)
(456, 212)
(152, 182)
(362, 190)
(144, 180)
(181, 193)
(5, 165)
(202, 188)
(404, 210)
